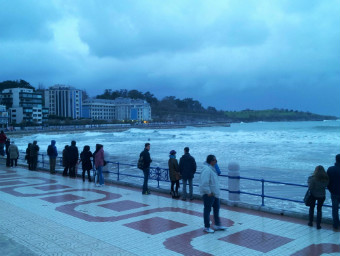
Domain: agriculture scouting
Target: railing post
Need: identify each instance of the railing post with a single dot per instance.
(117, 171)
(262, 194)
(158, 176)
(234, 181)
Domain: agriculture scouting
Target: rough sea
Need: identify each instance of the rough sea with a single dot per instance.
(279, 151)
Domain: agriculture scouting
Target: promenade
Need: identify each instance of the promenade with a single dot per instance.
(44, 214)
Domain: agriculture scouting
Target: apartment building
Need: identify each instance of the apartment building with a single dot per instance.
(3, 116)
(118, 109)
(64, 101)
(24, 105)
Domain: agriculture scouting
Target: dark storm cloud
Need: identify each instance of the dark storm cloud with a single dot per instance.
(227, 54)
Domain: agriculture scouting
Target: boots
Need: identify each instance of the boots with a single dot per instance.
(173, 194)
(176, 194)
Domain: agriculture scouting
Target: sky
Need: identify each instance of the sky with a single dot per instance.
(228, 54)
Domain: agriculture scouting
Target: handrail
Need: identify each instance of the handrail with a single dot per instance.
(162, 174)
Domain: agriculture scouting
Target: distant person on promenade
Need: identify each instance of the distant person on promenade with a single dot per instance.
(28, 157)
(13, 153)
(66, 161)
(73, 158)
(174, 173)
(334, 187)
(187, 167)
(317, 184)
(52, 153)
(34, 150)
(99, 163)
(146, 167)
(86, 163)
(210, 191)
(8, 159)
(2, 142)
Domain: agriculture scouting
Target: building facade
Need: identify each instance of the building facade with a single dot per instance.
(64, 101)
(119, 109)
(3, 116)
(24, 105)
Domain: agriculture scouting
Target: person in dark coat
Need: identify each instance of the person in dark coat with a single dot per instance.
(66, 161)
(187, 168)
(27, 156)
(86, 163)
(333, 173)
(3, 139)
(34, 149)
(8, 159)
(73, 158)
(174, 173)
(317, 184)
(52, 153)
(146, 168)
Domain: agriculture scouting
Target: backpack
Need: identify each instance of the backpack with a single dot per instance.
(49, 150)
(140, 164)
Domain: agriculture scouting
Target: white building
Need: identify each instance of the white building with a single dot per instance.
(118, 109)
(3, 116)
(64, 101)
(24, 105)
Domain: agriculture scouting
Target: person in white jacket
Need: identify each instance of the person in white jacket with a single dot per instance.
(210, 191)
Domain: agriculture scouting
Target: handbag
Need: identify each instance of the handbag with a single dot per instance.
(308, 198)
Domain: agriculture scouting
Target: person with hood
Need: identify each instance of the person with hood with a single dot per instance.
(145, 155)
(99, 163)
(317, 184)
(210, 191)
(174, 173)
(86, 163)
(13, 153)
(66, 161)
(34, 149)
(333, 173)
(187, 167)
(52, 153)
(2, 142)
(8, 159)
(73, 158)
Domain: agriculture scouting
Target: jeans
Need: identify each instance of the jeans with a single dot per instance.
(214, 202)
(100, 175)
(52, 164)
(15, 161)
(320, 200)
(146, 173)
(185, 188)
(335, 210)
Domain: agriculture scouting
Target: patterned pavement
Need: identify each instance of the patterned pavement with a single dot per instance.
(54, 215)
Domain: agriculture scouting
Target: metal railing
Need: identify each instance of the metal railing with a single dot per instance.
(162, 175)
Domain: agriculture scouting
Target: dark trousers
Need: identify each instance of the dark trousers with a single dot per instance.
(34, 162)
(214, 202)
(335, 210)
(320, 200)
(65, 172)
(73, 171)
(52, 164)
(173, 184)
(88, 174)
(14, 161)
(146, 173)
(8, 161)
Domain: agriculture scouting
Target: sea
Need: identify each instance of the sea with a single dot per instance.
(277, 151)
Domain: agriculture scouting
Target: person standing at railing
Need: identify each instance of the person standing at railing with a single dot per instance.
(34, 149)
(8, 159)
(73, 158)
(187, 167)
(86, 163)
(334, 187)
(52, 153)
(99, 163)
(317, 184)
(28, 157)
(2, 142)
(146, 168)
(210, 191)
(66, 161)
(174, 173)
(13, 153)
